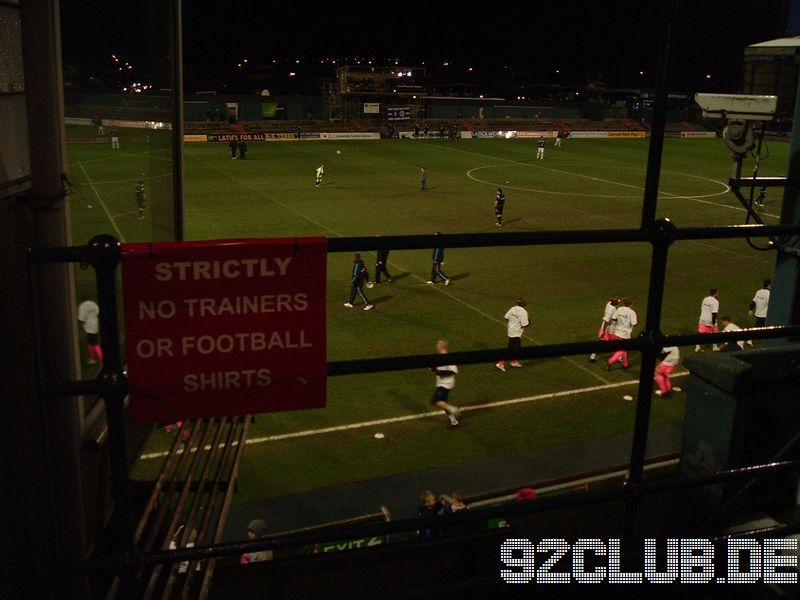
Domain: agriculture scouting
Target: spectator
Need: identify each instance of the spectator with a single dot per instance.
(452, 504)
(183, 566)
(429, 508)
(257, 529)
(457, 501)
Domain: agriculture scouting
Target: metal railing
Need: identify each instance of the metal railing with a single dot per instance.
(103, 254)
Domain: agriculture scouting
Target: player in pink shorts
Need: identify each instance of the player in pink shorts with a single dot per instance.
(607, 325)
(671, 356)
(624, 319)
(708, 316)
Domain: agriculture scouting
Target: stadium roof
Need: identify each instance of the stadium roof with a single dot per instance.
(787, 42)
(481, 99)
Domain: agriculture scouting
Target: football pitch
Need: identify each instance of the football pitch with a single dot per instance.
(372, 188)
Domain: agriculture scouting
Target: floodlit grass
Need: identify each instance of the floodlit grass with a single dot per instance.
(372, 188)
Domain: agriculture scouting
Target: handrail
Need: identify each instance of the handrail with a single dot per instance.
(591, 497)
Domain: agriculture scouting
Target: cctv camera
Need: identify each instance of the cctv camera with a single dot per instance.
(736, 106)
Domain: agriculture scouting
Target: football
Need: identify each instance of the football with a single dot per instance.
(338, 152)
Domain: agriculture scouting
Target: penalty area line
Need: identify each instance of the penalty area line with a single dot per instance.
(417, 416)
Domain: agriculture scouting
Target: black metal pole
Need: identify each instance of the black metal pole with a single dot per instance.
(663, 236)
(540, 505)
(105, 257)
(656, 149)
(177, 119)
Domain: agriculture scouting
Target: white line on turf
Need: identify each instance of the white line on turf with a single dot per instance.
(725, 187)
(103, 204)
(436, 413)
(417, 277)
(267, 196)
(676, 196)
(598, 216)
(134, 179)
(115, 155)
(570, 360)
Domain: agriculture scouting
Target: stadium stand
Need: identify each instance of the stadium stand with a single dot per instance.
(300, 573)
(189, 503)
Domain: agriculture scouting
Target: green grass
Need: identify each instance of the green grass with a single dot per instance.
(372, 188)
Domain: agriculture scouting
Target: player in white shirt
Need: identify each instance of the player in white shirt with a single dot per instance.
(727, 325)
(89, 317)
(445, 381)
(708, 316)
(624, 320)
(760, 305)
(607, 325)
(670, 357)
(517, 318)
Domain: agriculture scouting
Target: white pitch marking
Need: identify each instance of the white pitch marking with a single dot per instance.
(725, 190)
(417, 277)
(134, 179)
(125, 214)
(126, 154)
(577, 210)
(425, 415)
(267, 196)
(692, 198)
(103, 204)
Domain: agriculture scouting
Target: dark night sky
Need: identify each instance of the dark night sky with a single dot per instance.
(615, 38)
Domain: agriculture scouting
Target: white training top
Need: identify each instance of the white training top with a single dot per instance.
(449, 381)
(624, 321)
(89, 316)
(709, 306)
(607, 315)
(762, 303)
(735, 327)
(517, 318)
(673, 356)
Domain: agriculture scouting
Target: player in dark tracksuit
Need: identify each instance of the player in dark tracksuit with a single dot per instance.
(380, 265)
(141, 199)
(233, 145)
(499, 203)
(761, 196)
(436, 271)
(358, 276)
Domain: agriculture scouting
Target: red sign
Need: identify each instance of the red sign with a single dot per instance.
(228, 327)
